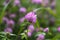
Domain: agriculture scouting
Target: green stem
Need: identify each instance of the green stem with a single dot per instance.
(37, 23)
(18, 33)
(3, 12)
(27, 35)
(0, 27)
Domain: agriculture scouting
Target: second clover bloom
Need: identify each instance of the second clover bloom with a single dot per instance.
(31, 28)
(31, 17)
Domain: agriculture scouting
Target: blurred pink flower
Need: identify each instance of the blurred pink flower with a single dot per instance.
(29, 34)
(45, 3)
(39, 29)
(46, 30)
(10, 23)
(22, 9)
(53, 3)
(16, 2)
(31, 17)
(5, 19)
(31, 28)
(37, 1)
(58, 29)
(8, 30)
(12, 15)
(21, 19)
(40, 37)
(6, 2)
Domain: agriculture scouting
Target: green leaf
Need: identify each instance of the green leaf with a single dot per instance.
(2, 36)
(3, 33)
(56, 37)
(39, 33)
(13, 35)
(24, 36)
(51, 11)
